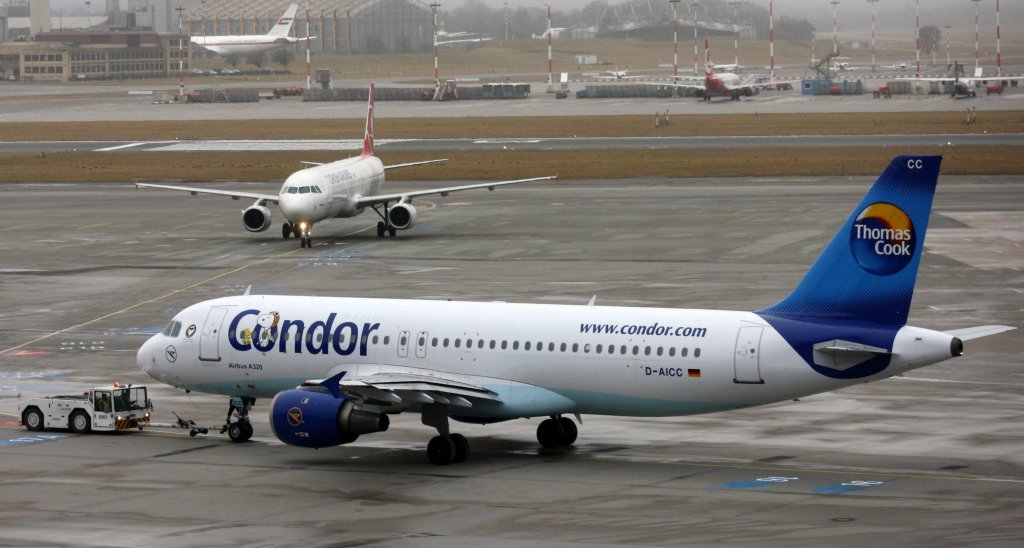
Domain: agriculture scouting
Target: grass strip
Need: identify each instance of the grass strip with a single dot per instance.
(689, 125)
(505, 164)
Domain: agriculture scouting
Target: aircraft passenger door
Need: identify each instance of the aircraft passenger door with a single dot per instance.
(421, 344)
(748, 356)
(209, 341)
(403, 344)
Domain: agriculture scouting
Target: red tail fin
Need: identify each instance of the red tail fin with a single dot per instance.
(368, 134)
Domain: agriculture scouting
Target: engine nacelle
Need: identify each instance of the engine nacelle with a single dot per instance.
(402, 216)
(313, 417)
(256, 218)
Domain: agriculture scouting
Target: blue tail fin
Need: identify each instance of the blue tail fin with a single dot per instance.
(868, 271)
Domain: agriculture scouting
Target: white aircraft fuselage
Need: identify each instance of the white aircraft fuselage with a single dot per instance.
(242, 45)
(540, 359)
(331, 190)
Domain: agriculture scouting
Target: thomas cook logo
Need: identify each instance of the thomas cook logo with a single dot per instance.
(295, 417)
(883, 239)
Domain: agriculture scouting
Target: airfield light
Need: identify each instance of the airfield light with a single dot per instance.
(975, 35)
(917, 36)
(999, 56)
(551, 81)
(437, 78)
(873, 2)
(835, 20)
(695, 5)
(947, 45)
(675, 38)
(181, 58)
(735, 35)
(771, 40)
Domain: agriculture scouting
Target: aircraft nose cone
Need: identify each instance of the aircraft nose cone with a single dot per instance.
(295, 207)
(146, 357)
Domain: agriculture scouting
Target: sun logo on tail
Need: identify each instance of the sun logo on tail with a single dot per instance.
(882, 239)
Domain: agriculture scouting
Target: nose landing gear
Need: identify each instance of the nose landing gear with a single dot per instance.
(241, 429)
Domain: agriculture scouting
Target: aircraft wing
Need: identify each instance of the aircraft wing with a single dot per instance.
(366, 201)
(410, 164)
(970, 333)
(233, 194)
(408, 388)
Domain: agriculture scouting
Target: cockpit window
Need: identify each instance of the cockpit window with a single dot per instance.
(172, 329)
(293, 190)
(304, 190)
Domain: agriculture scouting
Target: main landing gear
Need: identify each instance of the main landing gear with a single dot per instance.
(300, 230)
(384, 226)
(448, 448)
(445, 448)
(241, 429)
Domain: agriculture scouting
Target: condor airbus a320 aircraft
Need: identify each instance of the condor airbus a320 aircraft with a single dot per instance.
(357, 361)
(252, 43)
(344, 188)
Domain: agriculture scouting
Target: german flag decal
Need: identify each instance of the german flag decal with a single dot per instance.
(693, 372)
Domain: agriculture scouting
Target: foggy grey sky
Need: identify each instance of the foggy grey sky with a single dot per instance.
(853, 15)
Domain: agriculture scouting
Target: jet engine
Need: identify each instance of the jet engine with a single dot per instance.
(256, 218)
(402, 216)
(313, 417)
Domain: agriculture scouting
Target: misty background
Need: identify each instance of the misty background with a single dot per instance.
(854, 16)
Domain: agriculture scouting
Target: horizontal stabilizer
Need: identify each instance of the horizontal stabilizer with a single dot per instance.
(842, 355)
(969, 333)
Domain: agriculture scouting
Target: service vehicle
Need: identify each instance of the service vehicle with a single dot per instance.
(101, 409)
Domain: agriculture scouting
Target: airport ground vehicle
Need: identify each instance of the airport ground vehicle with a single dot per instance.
(101, 409)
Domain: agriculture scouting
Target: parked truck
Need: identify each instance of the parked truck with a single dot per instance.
(101, 409)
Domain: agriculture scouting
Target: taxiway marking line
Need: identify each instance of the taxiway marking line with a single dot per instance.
(172, 293)
(119, 147)
(794, 470)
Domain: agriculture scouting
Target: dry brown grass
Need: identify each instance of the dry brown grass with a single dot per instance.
(504, 164)
(510, 127)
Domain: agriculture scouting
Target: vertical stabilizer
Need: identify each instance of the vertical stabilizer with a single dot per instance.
(867, 272)
(284, 24)
(368, 134)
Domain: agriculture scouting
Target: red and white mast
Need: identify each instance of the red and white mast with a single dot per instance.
(551, 82)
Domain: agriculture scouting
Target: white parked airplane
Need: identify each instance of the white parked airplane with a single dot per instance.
(253, 43)
(619, 75)
(344, 188)
(360, 360)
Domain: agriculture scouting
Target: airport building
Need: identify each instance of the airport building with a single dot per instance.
(61, 56)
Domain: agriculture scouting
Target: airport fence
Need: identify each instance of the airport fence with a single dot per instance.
(225, 96)
(633, 90)
(486, 91)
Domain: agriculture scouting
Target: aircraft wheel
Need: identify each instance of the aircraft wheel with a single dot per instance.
(32, 418)
(569, 431)
(392, 231)
(80, 423)
(236, 432)
(381, 229)
(286, 231)
(550, 433)
(441, 450)
(246, 431)
(461, 448)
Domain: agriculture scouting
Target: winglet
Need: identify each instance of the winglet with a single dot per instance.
(368, 134)
(333, 384)
(247, 290)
